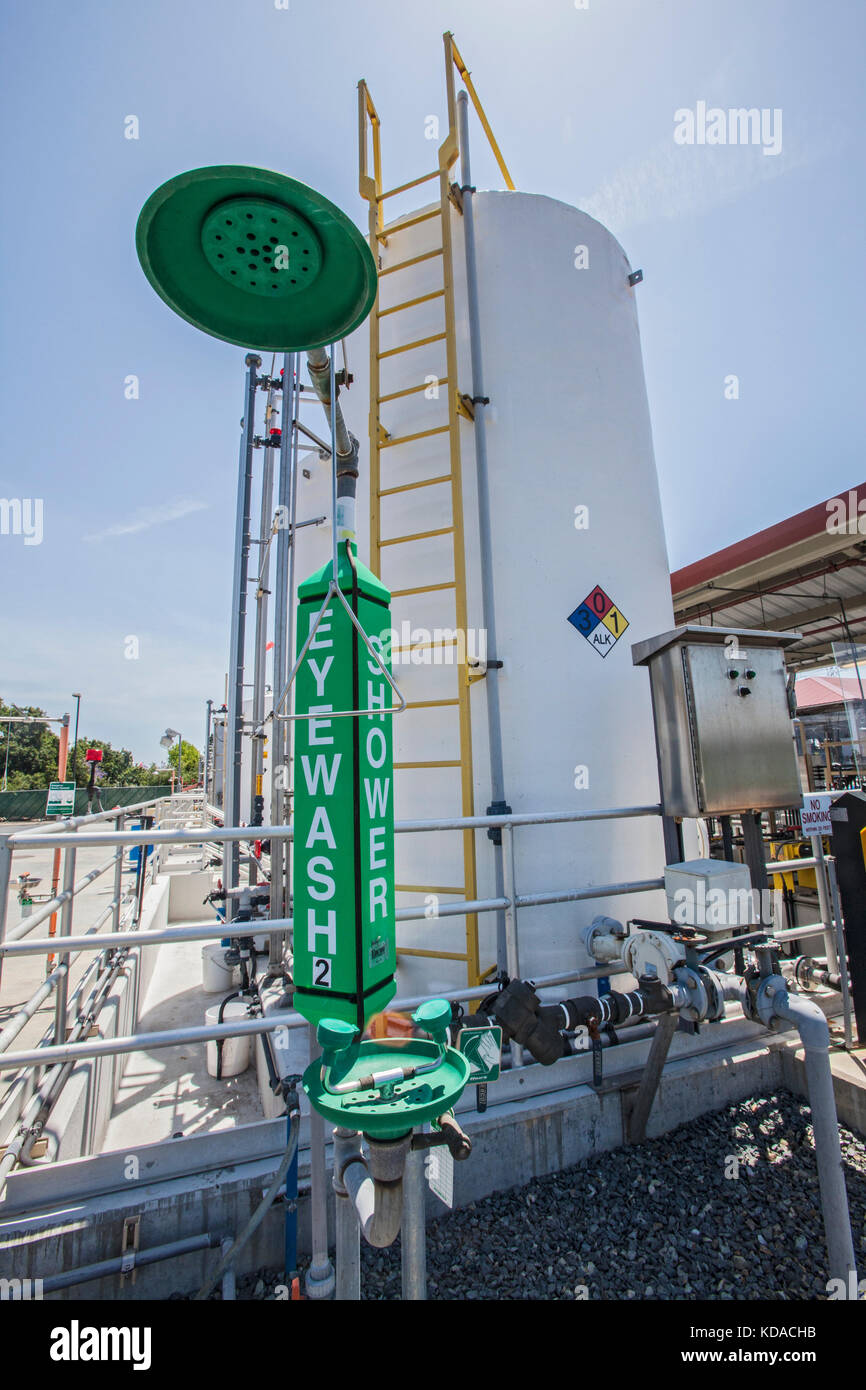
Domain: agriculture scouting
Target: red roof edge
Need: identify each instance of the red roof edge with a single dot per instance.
(796, 528)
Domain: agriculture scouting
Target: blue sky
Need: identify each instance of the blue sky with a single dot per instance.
(752, 267)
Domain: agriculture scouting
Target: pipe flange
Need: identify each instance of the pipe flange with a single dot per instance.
(697, 1007)
(715, 995)
(765, 997)
(802, 971)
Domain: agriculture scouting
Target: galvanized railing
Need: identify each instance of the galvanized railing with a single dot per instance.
(81, 832)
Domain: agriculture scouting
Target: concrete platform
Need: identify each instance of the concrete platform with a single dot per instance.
(166, 1092)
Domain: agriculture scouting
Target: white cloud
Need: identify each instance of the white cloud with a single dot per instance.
(146, 517)
(685, 181)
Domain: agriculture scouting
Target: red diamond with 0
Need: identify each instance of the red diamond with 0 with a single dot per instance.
(598, 602)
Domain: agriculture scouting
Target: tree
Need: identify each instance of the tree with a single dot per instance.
(31, 749)
(190, 765)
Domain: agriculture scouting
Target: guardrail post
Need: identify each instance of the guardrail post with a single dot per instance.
(5, 878)
(66, 912)
(512, 952)
(841, 949)
(118, 878)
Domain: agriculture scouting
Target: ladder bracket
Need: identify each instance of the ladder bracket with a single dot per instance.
(455, 196)
(381, 432)
(465, 405)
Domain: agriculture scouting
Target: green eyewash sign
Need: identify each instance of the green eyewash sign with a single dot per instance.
(343, 869)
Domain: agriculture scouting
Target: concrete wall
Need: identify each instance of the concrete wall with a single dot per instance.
(187, 892)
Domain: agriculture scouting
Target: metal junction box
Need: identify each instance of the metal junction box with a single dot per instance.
(723, 729)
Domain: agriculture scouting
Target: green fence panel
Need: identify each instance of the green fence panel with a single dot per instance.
(30, 804)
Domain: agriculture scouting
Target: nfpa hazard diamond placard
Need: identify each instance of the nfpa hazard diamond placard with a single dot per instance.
(599, 620)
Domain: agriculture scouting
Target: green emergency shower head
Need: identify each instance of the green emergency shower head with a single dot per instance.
(256, 258)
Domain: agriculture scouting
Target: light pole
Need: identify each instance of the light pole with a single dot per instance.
(167, 740)
(77, 698)
(206, 747)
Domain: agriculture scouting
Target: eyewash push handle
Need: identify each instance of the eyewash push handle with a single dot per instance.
(340, 1046)
(448, 1133)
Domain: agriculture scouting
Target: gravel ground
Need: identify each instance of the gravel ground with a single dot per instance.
(657, 1221)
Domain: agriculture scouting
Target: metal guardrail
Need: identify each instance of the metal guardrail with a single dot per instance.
(80, 832)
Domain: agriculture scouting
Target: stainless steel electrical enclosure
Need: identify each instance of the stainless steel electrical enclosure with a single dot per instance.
(723, 729)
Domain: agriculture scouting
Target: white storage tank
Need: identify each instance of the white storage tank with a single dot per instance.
(575, 516)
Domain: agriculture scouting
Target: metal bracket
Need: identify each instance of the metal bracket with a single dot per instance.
(465, 405)
(129, 1248)
(455, 195)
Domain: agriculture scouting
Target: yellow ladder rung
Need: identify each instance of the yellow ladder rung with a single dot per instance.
(424, 647)
(407, 347)
(413, 260)
(455, 763)
(411, 390)
(418, 536)
(423, 588)
(392, 192)
(436, 955)
(428, 704)
(420, 434)
(410, 303)
(426, 888)
(410, 487)
(412, 222)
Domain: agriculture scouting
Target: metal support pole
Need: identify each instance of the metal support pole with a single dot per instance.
(235, 717)
(283, 630)
(512, 951)
(117, 892)
(319, 1281)
(63, 957)
(5, 876)
(206, 753)
(642, 1102)
(488, 603)
(257, 804)
(841, 951)
(413, 1231)
(754, 851)
(822, 882)
(348, 1274)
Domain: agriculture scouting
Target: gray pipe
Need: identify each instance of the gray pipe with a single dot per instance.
(488, 606)
(378, 1205)
(413, 1235)
(70, 1277)
(347, 1142)
(319, 1280)
(841, 950)
(233, 732)
(261, 629)
(811, 1024)
(319, 366)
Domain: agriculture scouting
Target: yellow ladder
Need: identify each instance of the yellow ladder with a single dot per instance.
(458, 406)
